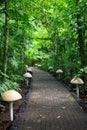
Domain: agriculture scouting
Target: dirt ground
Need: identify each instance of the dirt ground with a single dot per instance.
(5, 122)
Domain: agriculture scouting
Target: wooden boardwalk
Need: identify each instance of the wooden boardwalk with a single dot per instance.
(50, 106)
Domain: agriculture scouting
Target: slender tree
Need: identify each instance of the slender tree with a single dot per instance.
(5, 55)
(81, 32)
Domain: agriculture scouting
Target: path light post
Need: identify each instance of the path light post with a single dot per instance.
(11, 96)
(77, 81)
(59, 72)
(28, 76)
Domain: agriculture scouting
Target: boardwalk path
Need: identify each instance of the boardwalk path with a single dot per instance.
(50, 107)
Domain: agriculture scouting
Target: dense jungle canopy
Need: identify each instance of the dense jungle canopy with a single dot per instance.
(43, 33)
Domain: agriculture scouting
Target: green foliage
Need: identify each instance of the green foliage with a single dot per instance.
(82, 71)
(43, 33)
(2, 107)
(7, 85)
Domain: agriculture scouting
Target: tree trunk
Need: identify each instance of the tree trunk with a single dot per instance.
(5, 55)
(81, 35)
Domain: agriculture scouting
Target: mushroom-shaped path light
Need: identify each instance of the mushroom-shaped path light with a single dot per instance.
(59, 71)
(28, 76)
(50, 68)
(29, 70)
(77, 81)
(11, 96)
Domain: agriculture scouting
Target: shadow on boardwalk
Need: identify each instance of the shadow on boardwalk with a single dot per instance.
(49, 106)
